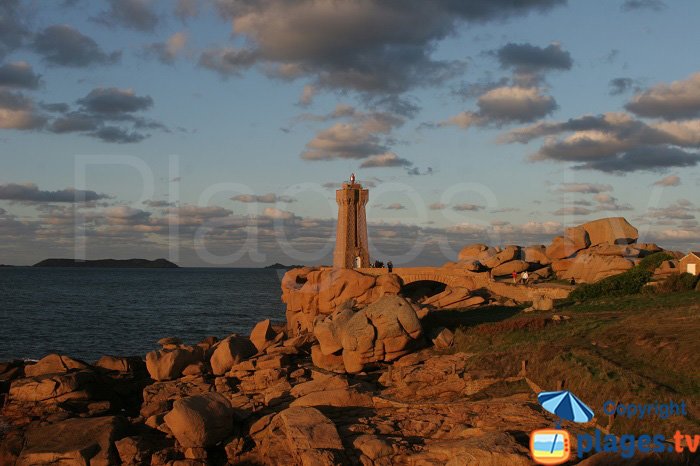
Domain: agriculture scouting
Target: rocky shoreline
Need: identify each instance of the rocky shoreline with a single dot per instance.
(354, 376)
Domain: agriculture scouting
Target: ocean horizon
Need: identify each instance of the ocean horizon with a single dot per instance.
(90, 312)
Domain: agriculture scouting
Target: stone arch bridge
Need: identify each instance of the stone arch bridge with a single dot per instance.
(459, 277)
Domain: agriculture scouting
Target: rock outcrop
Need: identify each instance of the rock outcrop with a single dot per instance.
(309, 292)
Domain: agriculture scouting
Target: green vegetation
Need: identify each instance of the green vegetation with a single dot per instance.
(626, 283)
(637, 348)
(676, 283)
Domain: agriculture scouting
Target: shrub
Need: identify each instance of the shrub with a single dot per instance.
(677, 282)
(626, 283)
(653, 261)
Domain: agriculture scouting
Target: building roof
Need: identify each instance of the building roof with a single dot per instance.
(695, 253)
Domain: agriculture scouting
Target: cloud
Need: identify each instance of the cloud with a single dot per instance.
(365, 136)
(372, 47)
(63, 45)
(307, 95)
(18, 75)
(573, 210)
(437, 206)
(585, 188)
(186, 9)
(158, 204)
(621, 85)
(117, 135)
(277, 214)
(228, 61)
(506, 105)
(467, 207)
(652, 158)
(678, 211)
(112, 100)
(415, 171)
(530, 62)
(394, 206)
(18, 112)
(269, 198)
(678, 100)
(668, 181)
(12, 28)
(166, 52)
(132, 14)
(388, 159)
(30, 192)
(614, 142)
(653, 5)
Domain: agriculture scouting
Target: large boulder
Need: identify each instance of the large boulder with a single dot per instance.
(297, 435)
(168, 364)
(229, 352)
(383, 331)
(201, 421)
(80, 442)
(536, 255)
(587, 268)
(453, 297)
(613, 230)
(507, 268)
(471, 251)
(508, 254)
(578, 236)
(561, 248)
(55, 388)
(308, 292)
(262, 335)
(54, 364)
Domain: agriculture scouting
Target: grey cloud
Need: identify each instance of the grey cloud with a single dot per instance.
(467, 207)
(74, 122)
(133, 14)
(437, 206)
(66, 46)
(394, 206)
(653, 5)
(118, 135)
(269, 198)
(678, 100)
(584, 188)
(185, 9)
(388, 159)
(13, 31)
(368, 46)
(573, 210)
(31, 193)
(18, 112)
(166, 52)
(652, 158)
(415, 171)
(531, 58)
(58, 107)
(113, 101)
(18, 75)
(504, 105)
(621, 85)
(158, 204)
(228, 61)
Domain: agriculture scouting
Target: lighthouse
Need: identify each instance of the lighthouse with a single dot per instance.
(351, 250)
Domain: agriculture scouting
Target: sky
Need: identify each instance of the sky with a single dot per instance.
(215, 132)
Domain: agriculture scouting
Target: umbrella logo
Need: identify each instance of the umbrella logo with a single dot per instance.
(552, 446)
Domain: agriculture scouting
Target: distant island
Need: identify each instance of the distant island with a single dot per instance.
(277, 265)
(109, 263)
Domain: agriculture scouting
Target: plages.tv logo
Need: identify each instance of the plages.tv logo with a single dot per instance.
(553, 446)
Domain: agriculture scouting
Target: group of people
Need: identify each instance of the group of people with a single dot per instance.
(524, 278)
(377, 264)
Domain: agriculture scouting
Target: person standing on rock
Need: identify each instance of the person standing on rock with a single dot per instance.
(524, 277)
(390, 266)
(515, 277)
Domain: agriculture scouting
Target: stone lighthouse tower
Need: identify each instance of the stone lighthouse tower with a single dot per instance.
(351, 234)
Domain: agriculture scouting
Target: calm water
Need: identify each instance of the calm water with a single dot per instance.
(87, 313)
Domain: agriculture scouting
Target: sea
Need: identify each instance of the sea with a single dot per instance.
(90, 312)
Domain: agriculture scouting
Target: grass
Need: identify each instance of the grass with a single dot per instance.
(629, 349)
